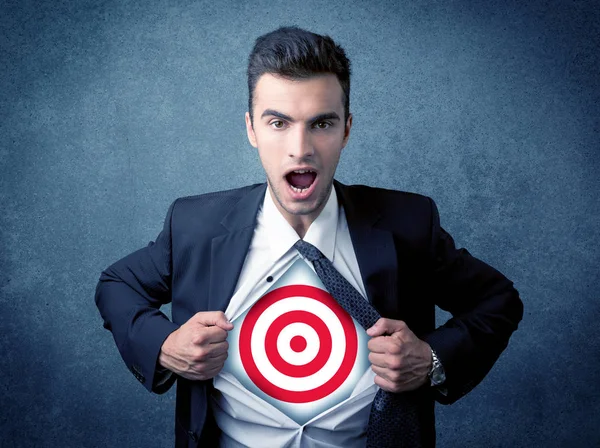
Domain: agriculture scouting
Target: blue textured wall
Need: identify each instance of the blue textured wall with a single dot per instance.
(110, 110)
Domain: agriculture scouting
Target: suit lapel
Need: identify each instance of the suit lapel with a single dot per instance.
(229, 250)
(374, 249)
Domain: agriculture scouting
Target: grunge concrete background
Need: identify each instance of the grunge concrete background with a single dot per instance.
(110, 110)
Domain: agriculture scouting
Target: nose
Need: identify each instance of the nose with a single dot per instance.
(301, 145)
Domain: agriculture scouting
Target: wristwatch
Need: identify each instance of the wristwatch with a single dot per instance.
(436, 375)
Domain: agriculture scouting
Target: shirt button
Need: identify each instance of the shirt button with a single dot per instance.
(269, 279)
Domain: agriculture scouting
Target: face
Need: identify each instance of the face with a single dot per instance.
(299, 131)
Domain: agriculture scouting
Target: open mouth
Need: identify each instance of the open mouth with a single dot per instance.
(301, 180)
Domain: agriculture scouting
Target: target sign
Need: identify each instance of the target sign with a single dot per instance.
(297, 344)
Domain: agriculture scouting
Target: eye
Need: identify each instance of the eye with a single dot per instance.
(322, 125)
(278, 124)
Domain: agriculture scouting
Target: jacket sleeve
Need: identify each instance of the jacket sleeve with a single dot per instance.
(485, 308)
(129, 295)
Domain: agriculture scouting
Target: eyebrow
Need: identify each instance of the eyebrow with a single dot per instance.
(319, 117)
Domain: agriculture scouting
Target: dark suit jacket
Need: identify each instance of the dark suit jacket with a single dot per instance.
(408, 264)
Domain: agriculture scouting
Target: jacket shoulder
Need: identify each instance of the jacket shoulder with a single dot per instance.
(409, 216)
(384, 192)
(390, 203)
(209, 208)
(216, 198)
(217, 203)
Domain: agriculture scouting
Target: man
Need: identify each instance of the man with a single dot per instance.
(388, 245)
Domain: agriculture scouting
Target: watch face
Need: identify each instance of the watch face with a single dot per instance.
(438, 377)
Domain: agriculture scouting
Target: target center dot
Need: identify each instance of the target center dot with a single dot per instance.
(298, 344)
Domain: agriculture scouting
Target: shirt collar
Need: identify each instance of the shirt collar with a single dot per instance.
(282, 236)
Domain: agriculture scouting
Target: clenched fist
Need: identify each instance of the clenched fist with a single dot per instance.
(198, 349)
(400, 359)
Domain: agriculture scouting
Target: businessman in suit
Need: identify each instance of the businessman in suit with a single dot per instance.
(299, 121)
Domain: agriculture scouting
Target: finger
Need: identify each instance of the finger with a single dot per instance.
(385, 344)
(202, 359)
(217, 349)
(219, 358)
(385, 361)
(386, 326)
(386, 384)
(209, 335)
(204, 373)
(207, 353)
(214, 371)
(393, 376)
(211, 318)
(209, 363)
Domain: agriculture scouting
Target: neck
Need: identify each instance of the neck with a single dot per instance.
(300, 223)
(301, 230)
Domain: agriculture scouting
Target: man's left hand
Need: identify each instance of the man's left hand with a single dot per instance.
(400, 360)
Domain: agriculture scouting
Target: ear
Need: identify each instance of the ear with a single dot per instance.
(250, 131)
(347, 130)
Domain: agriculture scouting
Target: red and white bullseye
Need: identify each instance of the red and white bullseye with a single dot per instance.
(287, 343)
(298, 344)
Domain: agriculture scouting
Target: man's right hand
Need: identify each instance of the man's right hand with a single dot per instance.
(198, 349)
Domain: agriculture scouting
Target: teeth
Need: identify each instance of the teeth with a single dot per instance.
(302, 171)
(297, 190)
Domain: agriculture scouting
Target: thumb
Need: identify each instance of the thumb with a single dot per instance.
(385, 327)
(212, 318)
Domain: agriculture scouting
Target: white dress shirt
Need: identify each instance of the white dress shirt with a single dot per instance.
(245, 418)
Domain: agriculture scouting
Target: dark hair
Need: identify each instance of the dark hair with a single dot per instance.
(294, 53)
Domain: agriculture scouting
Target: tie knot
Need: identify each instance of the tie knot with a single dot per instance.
(308, 250)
